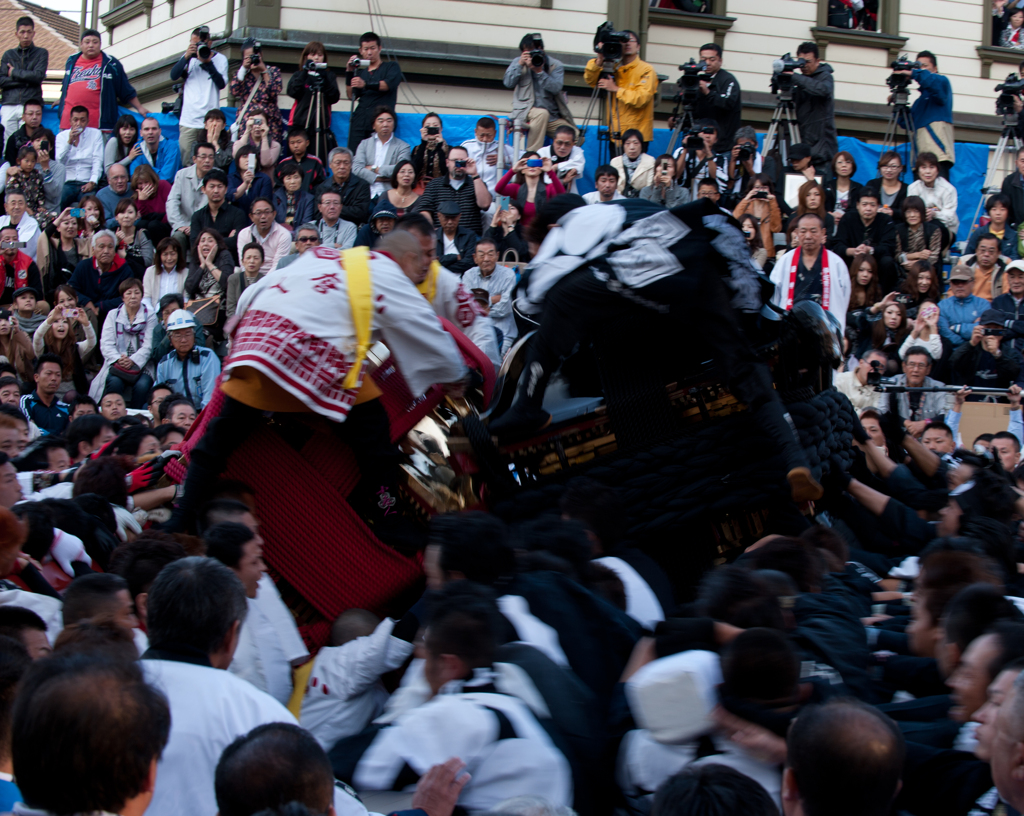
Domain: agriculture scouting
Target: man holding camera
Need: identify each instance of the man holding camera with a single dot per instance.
(633, 85)
(567, 158)
(536, 80)
(984, 361)
(663, 189)
(719, 98)
(373, 83)
(462, 184)
(814, 98)
(22, 71)
(206, 75)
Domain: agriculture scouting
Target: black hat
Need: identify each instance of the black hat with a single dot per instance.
(450, 207)
(384, 212)
(987, 316)
(799, 151)
(215, 174)
(30, 290)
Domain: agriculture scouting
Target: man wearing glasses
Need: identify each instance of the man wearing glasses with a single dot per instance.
(306, 236)
(265, 231)
(919, 409)
(497, 282)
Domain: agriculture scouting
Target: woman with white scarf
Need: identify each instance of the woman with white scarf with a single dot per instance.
(126, 343)
(636, 168)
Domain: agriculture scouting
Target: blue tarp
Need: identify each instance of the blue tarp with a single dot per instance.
(967, 176)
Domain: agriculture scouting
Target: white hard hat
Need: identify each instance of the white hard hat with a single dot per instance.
(180, 319)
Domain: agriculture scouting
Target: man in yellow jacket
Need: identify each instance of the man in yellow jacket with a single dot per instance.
(632, 87)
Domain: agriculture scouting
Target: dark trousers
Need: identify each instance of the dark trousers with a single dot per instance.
(71, 193)
(135, 395)
(360, 128)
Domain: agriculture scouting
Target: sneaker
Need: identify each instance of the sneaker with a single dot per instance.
(519, 422)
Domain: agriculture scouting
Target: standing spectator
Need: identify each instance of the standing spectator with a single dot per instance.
(294, 205)
(167, 274)
(939, 196)
(159, 152)
(204, 80)
(567, 158)
(499, 282)
(960, 311)
(455, 244)
(97, 280)
(983, 361)
(96, 81)
(814, 96)
(869, 233)
(218, 214)
(401, 197)
(1012, 35)
(301, 89)
(430, 155)
(891, 189)
(463, 184)
(483, 149)
(31, 127)
(265, 231)
(1013, 188)
(80, 150)
(355, 193)
(334, 231)
(257, 134)
(117, 189)
(377, 156)
(606, 179)
(887, 335)
(28, 227)
(633, 88)
(917, 239)
(933, 112)
(42, 406)
(998, 207)
(530, 188)
(250, 273)
(988, 267)
(150, 195)
(187, 193)
(721, 98)
(760, 202)
(125, 344)
(374, 87)
(246, 181)
(663, 188)
(215, 131)
(313, 174)
(123, 147)
(259, 85)
(840, 190)
(636, 168)
(705, 162)
(381, 223)
(537, 101)
(22, 71)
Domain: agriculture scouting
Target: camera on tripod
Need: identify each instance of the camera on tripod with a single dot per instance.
(782, 72)
(537, 55)
(1009, 90)
(203, 50)
(897, 82)
(693, 140)
(608, 42)
(173, 108)
(689, 82)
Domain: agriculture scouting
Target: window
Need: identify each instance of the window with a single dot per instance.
(1002, 43)
(708, 15)
(872, 23)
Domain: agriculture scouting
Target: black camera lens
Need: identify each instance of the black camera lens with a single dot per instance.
(461, 162)
(433, 131)
(537, 58)
(203, 51)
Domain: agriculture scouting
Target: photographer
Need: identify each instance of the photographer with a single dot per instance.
(374, 85)
(760, 201)
(983, 361)
(933, 112)
(744, 161)
(633, 85)
(663, 189)
(536, 81)
(707, 161)
(1013, 187)
(567, 158)
(304, 84)
(719, 98)
(814, 97)
(206, 75)
(257, 86)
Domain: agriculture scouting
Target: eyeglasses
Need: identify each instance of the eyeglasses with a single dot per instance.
(307, 239)
(915, 365)
(262, 212)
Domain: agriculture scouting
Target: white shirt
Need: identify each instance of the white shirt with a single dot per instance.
(860, 396)
(380, 156)
(839, 275)
(941, 195)
(84, 161)
(28, 232)
(210, 708)
(478, 152)
(642, 605)
(168, 280)
(595, 197)
(200, 94)
(449, 245)
(576, 161)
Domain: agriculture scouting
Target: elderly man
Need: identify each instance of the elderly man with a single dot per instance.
(187, 194)
(567, 158)
(27, 226)
(334, 230)
(308, 316)
(498, 282)
(917, 410)
(959, 312)
(80, 150)
(275, 239)
(306, 237)
(455, 243)
(116, 190)
(854, 384)
(188, 369)
(355, 192)
(97, 280)
(988, 265)
(19, 269)
(159, 152)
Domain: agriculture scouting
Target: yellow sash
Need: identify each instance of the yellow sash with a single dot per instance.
(356, 263)
(428, 288)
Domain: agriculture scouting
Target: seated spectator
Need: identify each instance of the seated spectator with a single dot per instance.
(64, 250)
(252, 261)
(132, 240)
(168, 305)
(854, 383)
(56, 336)
(167, 275)
(430, 156)
(178, 412)
(218, 214)
(27, 225)
(310, 167)
(123, 147)
(810, 199)
(532, 186)
(93, 218)
(126, 344)
(925, 332)
(209, 265)
(54, 173)
(29, 308)
(483, 150)
(189, 369)
(42, 406)
(739, 172)
(1013, 189)
(455, 244)
(150, 195)
(472, 197)
(24, 177)
(708, 188)
(566, 157)
(30, 129)
(869, 233)
(215, 129)
(117, 188)
(377, 156)
(841, 189)
(19, 269)
(306, 237)
(275, 239)
(606, 179)
(988, 266)
(1010, 303)
(917, 238)
(334, 231)
(506, 231)
(751, 228)
(382, 222)
(984, 361)
(401, 198)
(13, 346)
(664, 190)
(998, 208)
(187, 194)
(97, 280)
(355, 193)
(887, 334)
(293, 205)
(760, 201)
(245, 183)
(257, 135)
(891, 189)
(635, 168)
(159, 152)
(499, 282)
(80, 150)
(939, 196)
(918, 410)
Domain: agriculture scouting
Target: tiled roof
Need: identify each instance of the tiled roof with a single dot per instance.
(57, 34)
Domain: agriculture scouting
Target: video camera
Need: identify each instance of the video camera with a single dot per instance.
(782, 72)
(693, 140)
(173, 108)
(608, 42)
(898, 83)
(689, 82)
(1012, 88)
(203, 50)
(875, 374)
(537, 55)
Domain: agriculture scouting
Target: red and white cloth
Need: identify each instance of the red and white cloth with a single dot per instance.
(838, 284)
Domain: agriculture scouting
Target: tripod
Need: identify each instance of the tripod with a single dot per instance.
(316, 129)
(783, 132)
(606, 105)
(1003, 164)
(901, 119)
(684, 123)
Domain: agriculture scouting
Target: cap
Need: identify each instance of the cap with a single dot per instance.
(992, 316)
(180, 319)
(450, 207)
(961, 272)
(799, 151)
(215, 174)
(384, 212)
(1015, 266)
(27, 290)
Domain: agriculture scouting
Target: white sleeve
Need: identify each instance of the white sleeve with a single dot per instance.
(351, 669)
(1016, 426)
(841, 299)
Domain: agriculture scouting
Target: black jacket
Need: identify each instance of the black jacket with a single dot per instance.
(229, 220)
(831, 195)
(465, 242)
(1013, 187)
(300, 89)
(26, 80)
(851, 232)
(875, 185)
(814, 97)
(514, 240)
(18, 140)
(971, 364)
(1014, 312)
(722, 103)
(355, 198)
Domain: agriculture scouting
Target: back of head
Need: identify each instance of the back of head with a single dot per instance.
(91, 596)
(352, 624)
(92, 723)
(271, 766)
(796, 558)
(140, 561)
(973, 610)
(530, 806)
(760, 665)
(565, 541)
(712, 790)
(945, 572)
(736, 596)
(598, 507)
(846, 759)
(398, 244)
(220, 510)
(14, 662)
(464, 622)
(16, 619)
(474, 544)
(1011, 644)
(97, 638)
(225, 542)
(194, 602)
